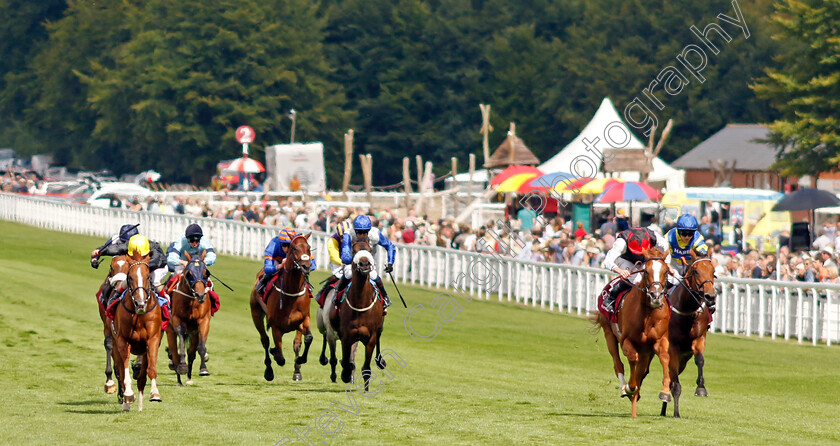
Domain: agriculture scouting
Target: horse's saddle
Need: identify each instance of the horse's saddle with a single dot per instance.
(611, 316)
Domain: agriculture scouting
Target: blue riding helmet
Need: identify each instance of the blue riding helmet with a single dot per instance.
(127, 231)
(686, 222)
(193, 230)
(361, 223)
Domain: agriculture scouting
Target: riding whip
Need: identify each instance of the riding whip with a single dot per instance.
(95, 262)
(220, 280)
(398, 290)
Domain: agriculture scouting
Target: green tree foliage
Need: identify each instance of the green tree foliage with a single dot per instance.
(806, 87)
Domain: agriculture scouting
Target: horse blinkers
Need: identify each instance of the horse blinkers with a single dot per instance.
(192, 276)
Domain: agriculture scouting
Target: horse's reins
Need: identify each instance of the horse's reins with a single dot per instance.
(376, 294)
(132, 290)
(297, 266)
(693, 293)
(632, 285)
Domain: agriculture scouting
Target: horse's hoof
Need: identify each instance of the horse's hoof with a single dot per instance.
(128, 398)
(281, 362)
(345, 377)
(182, 369)
(333, 377)
(323, 360)
(171, 366)
(189, 382)
(126, 407)
(110, 387)
(204, 372)
(269, 375)
(665, 397)
(156, 397)
(701, 391)
(380, 363)
(297, 377)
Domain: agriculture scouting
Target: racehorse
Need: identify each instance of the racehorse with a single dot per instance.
(136, 329)
(286, 307)
(690, 318)
(361, 316)
(329, 329)
(190, 317)
(642, 329)
(117, 276)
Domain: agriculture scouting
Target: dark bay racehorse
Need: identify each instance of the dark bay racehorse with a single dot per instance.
(690, 318)
(361, 316)
(117, 276)
(190, 317)
(286, 308)
(137, 331)
(642, 329)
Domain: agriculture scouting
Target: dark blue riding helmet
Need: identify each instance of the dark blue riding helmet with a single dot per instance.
(127, 231)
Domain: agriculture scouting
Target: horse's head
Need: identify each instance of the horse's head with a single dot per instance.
(139, 284)
(195, 273)
(700, 278)
(362, 258)
(655, 277)
(300, 253)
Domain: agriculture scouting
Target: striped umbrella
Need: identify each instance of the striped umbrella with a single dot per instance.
(588, 186)
(513, 183)
(514, 170)
(546, 183)
(627, 191)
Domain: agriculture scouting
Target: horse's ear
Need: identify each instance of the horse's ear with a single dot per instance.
(187, 254)
(307, 236)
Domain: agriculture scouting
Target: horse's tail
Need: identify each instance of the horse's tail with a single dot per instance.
(599, 322)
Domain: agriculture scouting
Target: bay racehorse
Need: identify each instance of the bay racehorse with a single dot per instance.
(136, 330)
(642, 329)
(690, 317)
(116, 276)
(361, 317)
(286, 307)
(190, 318)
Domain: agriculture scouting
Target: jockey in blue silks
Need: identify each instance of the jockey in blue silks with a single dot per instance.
(682, 239)
(362, 227)
(275, 254)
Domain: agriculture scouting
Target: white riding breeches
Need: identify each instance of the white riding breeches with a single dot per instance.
(158, 275)
(337, 270)
(635, 279)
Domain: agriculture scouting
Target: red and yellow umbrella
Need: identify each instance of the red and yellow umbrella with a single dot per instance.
(512, 171)
(588, 186)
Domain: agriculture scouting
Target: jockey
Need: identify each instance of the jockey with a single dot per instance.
(682, 239)
(275, 254)
(362, 227)
(626, 253)
(194, 243)
(333, 247)
(118, 245)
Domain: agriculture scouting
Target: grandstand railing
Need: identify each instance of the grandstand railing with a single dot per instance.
(750, 307)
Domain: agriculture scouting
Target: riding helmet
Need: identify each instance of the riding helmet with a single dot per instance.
(193, 230)
(687, 222)
(638, 242)
(127, 231)
(362, 223)
(287, 235)
(138, 244)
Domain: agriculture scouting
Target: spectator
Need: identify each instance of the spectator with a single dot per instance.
(826, 255)
(580, 232)
(526, 217)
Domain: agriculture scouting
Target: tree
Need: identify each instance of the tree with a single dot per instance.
(806, 87)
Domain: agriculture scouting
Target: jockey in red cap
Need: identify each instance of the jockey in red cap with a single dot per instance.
(627, 251)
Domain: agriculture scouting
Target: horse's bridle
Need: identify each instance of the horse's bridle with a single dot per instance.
(140, 307)
(652, 296)
(696, 293)
(297, 266)
(193, 294)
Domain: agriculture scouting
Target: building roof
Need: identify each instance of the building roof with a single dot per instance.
(521, 154)
(736, 142)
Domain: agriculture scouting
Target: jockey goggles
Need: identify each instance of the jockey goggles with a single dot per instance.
(685, 232)
(194, 238)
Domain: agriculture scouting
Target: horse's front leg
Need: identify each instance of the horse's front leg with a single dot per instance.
(618, 366)
(122, 351)
(181, 365)
(296, 376)
(277, 351)
(152, 349)
(633, 386)
(307, 339)
(191, 355)
(141, 381)
(203, 333)
(662, 347)
(346, 361)
(366, 371)
(699, 347)
(110, 386)
(333, 360)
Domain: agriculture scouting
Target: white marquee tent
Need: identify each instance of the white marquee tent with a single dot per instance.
(605, 119)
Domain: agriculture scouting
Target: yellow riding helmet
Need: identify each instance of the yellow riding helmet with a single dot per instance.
(138, 244)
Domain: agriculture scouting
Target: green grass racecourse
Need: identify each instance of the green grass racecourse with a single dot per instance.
(495, 374)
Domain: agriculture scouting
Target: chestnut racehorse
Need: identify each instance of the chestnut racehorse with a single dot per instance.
(642, 329)
(117, 276)
(136, 328)
(286, 308)
(361, 316)
(190, 317)
(690, 318)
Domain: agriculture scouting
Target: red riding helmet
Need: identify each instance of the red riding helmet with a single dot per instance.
(638, 243)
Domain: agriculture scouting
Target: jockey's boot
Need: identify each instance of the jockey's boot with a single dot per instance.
(609, 302)
(386, 301)
(262, 283)
(330, 281)
(107, 289)
(342, 284)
